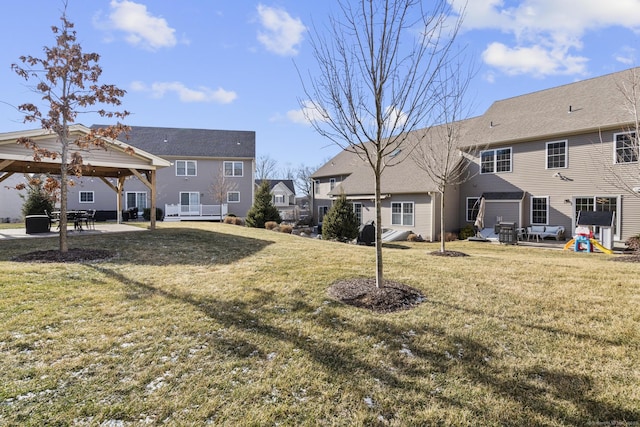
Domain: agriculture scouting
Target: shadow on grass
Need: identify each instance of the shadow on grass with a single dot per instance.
(167, 246)
(551, 396)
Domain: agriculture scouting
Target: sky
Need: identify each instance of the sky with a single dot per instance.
(217, 64)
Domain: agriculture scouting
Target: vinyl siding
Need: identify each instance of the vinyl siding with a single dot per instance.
(169, 187)
(422, 214)
(585, 174)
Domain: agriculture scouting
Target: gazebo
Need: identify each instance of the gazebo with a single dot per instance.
(119, 161)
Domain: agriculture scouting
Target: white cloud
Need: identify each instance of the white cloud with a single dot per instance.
(546, 34)
(534, 60)
(280, 33)
(395, 117)
(625, 55)
(140, 27)
(309, 112)
(185, 94)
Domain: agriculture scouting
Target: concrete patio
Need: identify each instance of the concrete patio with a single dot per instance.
(100, 228)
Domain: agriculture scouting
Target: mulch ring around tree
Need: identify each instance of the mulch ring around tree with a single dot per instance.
(73, 255)
(448, 253)
(363, 293)
(627, 258)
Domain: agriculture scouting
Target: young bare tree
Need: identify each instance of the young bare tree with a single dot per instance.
(624, 172)
(220, 186)
(68, 82)
(376, 81)
(438, 150)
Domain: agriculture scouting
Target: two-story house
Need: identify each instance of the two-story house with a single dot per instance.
(283, 194)
(547, 156)
(210, 174)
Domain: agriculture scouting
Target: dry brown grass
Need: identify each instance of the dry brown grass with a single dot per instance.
(212, 323)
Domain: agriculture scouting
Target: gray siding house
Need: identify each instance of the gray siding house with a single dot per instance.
(546, 156)
(283, 194)
(211, 173)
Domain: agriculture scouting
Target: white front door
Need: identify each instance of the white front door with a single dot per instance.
(189, 203)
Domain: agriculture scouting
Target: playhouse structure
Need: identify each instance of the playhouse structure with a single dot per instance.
(589, 225)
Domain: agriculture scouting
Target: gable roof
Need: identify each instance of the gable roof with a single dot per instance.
(360, 178)
(115, 161)
(580, 107)
(273, 182)
(178, 142)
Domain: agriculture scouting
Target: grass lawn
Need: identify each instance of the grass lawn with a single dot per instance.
(218, 324)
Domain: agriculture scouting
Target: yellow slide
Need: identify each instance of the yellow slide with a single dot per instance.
(599, 247)
(594, 243)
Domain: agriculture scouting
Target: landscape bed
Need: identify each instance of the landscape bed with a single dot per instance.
(226, 325)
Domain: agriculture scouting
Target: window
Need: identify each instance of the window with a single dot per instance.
(357, 209)
(279, 199)
(233, 197)
(322, 211)
(539, 210)
(86, 197)
(494, 161)
(136, 200)
(626, 146)
(402, 213)
(185, 168)
(556, 154)
(233, 168)
(189, 203)
(332, 183)
(316, 186)
(473, 205)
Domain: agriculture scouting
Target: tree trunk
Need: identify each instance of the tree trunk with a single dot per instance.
(64, 246)
(442, 224)
(379, 266)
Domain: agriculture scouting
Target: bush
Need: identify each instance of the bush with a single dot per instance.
(286, 228)
(340, 222)
(263, 209)
(415, 238)
(37, 200)
(233, 220)
(270, 225)
(450, 237)
(466, 232)
(146, 214)
(633, 243)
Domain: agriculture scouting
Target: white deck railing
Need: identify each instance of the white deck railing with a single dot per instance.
(196, 211)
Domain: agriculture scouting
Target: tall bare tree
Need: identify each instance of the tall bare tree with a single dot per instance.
(438, 149)
(68, 81)
(376, 81)
(266, 167)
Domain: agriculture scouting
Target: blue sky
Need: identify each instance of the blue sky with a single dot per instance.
(231, 64)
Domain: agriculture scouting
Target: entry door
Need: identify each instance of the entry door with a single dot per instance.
(189, 203)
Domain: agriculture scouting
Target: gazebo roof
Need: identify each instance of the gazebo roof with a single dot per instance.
(117, 160)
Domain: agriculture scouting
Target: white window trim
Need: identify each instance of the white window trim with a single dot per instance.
(466, 207)
(233, 168)
(233, 201)
(566, 154)
(531, 210)
(355, 211)
(126, 198)
(495, 160)
(413, 213)
(615, 149)
(186, 167)
(93, 196)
